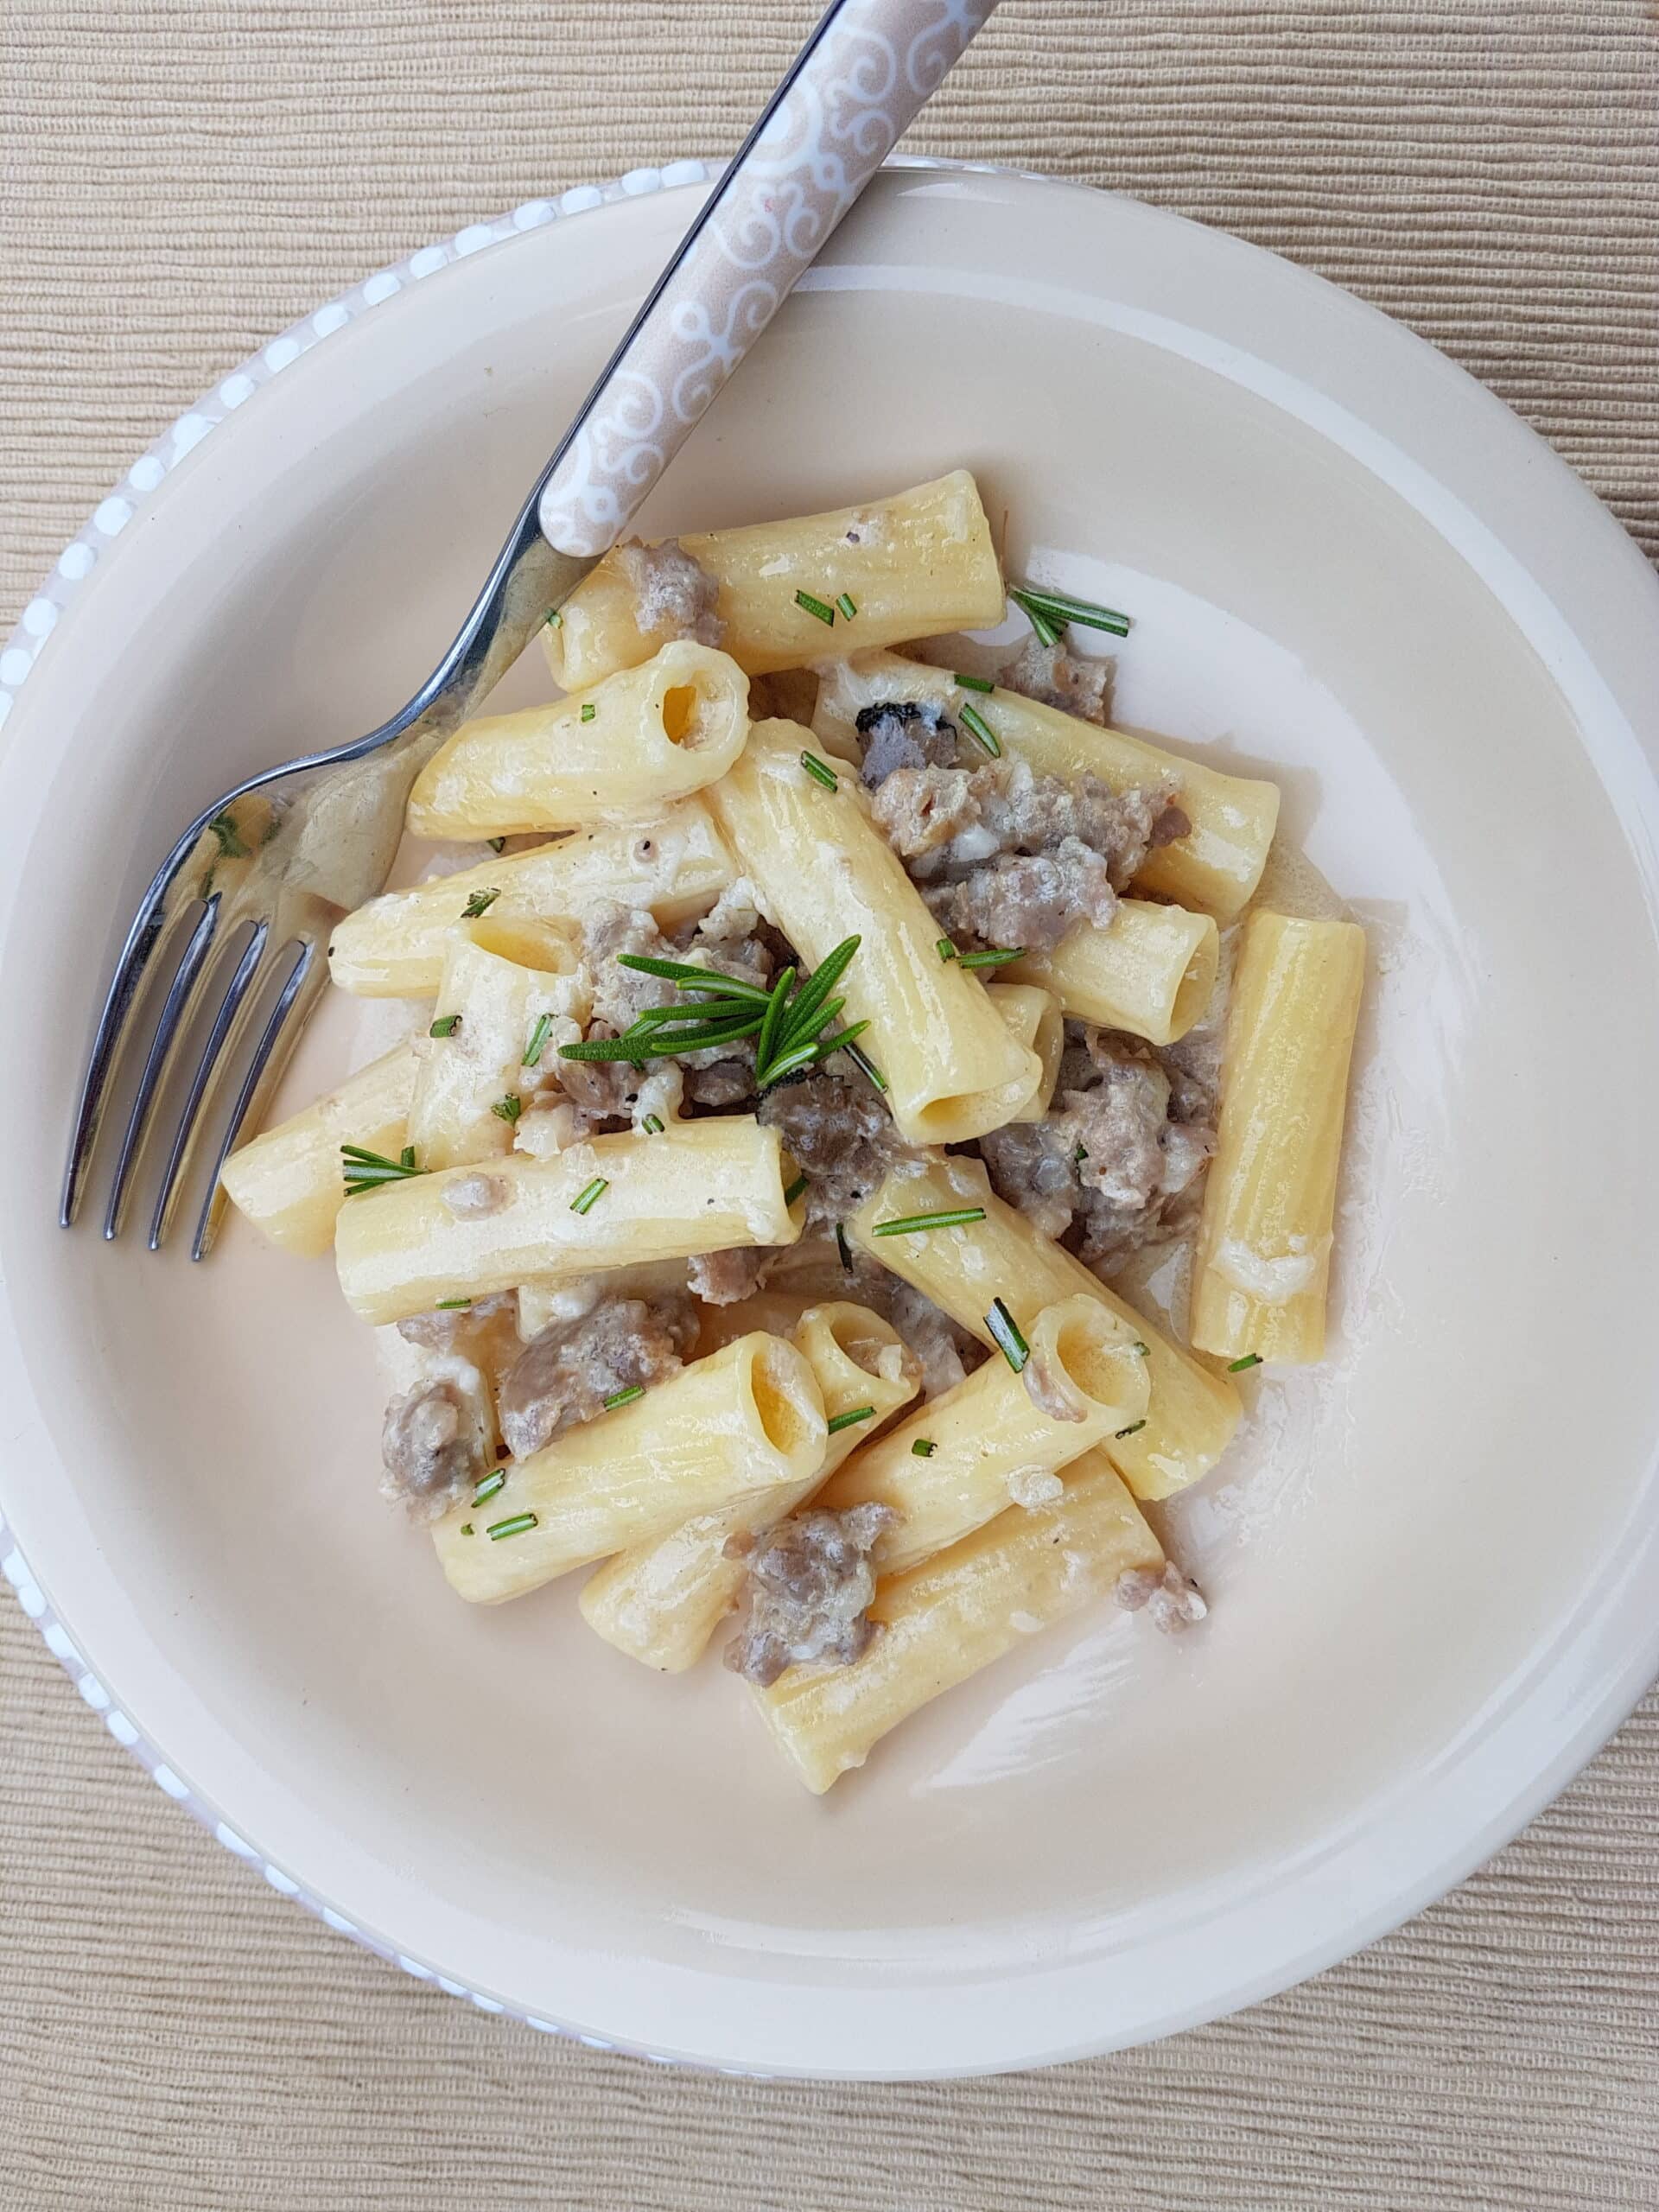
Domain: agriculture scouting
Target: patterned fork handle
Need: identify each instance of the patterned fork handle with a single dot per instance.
(868, 69)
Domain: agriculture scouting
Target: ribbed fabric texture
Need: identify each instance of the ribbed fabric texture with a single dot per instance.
(181, 178)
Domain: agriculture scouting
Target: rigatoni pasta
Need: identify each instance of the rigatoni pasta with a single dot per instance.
(288, 1182)
(919, 562)
(1150, 971)
(630, 745)
(956, 1613)
(1263, 1258)
(1033, 1017)
(951, 1069)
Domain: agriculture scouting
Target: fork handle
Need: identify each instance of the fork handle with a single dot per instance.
(866, 71)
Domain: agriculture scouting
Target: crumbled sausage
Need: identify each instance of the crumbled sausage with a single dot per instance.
(485, 1332)
(469, 1198)
(674, 596)
(564, 1374)
(1028, 899)
(841, 1137)
(1172, 1600)
(904, 733)
(433, 1448)
(1111, 1161)
(918, 810)
(724, 1278)
(808, 1587)
(1055, 677)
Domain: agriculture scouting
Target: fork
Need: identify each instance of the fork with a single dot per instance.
(260, 878)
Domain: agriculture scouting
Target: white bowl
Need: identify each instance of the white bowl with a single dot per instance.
(1432, 1567)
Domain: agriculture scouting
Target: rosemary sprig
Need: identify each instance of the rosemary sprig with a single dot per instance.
(1047, 633)
(847, 1420)
(972, 683)
(1059, 608)
(996, 958)
(373, 1171)
(983, 735)
(788, 1022)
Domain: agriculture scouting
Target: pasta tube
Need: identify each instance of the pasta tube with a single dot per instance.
(495, 1010)
(956, 1613)
(1215, 867)
(288, 1182)
(701, 1186)
(1000, 1437)
(1262, 1264)
(1035, 1019)
(825, 872)
(628, 746)
(393, 947)
(1190, 1413)
(1150, 970)
(661, 1603)
(743, 1422)
(912, 565)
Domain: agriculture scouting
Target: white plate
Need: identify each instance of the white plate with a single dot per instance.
(1433, 1568)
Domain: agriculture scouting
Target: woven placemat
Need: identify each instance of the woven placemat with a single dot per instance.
(183, 178)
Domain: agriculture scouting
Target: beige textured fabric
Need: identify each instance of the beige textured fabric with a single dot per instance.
(182, 177)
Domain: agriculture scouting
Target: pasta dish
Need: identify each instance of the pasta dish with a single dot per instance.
(823, 1026)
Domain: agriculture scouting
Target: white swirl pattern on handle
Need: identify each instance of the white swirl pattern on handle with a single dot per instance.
(876, 65)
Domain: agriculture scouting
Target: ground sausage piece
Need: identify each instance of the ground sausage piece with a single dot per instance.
(1172, 1600)
(674, 596)
(1055, 677)
(1027, 900)
(904, 733)
(603, 1092)
(621, 994)
(840, 1136)
(432, 1449)
(724, 1278)
(486, 1331)
(564, 1374)
(918, 810)
(1034, 1166)
(810, 1584)
(1029, 813)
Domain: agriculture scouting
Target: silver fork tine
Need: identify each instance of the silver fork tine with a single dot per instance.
(153, 928)
(176, 1008)
(270, 1056)
(204, 1081)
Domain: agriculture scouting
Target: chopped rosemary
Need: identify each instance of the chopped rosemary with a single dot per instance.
(1250, 1359)
(585, 1201)
(623, 1397)
(911, 1225)
(819, 609)
(972, 683)
(590, 711)
(508, 1109)
(847, 603)
(794, 1190)
(946, 950)
(445, 1025)
(1140, 1351)
(555, 619)
(980, 730)
(496, 844)
(452, 1304)
(231, 846)
(1005, 1334)
(922, 1448)
(1059, 608)
(847, 1420)
(996, 957)
(820, 772)
(652, 1125)
(537, 1045)
(372, 1171)
(515, 1526)
(1134, 1427)
(479, 903)
(841, 1242)
(862, 1060)
(466, 1527)
(1082, 1153)
(489, 1486)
